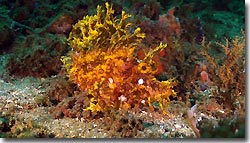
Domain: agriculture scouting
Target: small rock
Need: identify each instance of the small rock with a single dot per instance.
(177, 126)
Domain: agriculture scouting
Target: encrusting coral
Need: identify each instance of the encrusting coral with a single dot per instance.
(103, 64)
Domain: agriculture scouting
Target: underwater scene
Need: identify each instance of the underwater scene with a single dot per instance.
(122, 69)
